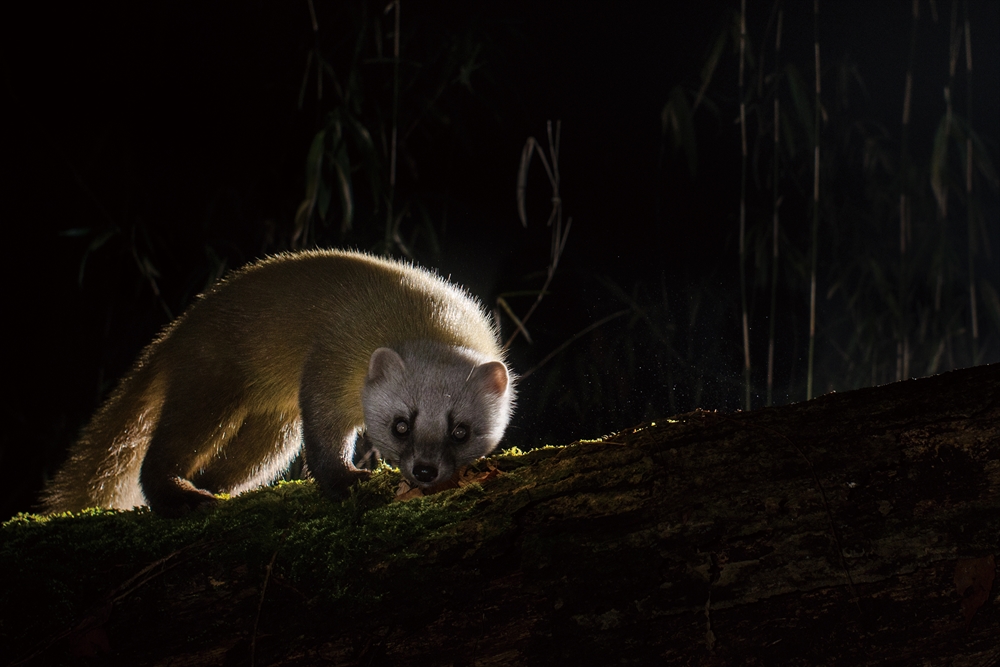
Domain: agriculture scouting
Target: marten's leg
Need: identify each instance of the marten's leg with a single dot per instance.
(195, 424)
(260, 451)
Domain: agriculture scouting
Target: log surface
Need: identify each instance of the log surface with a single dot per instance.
(860, 528)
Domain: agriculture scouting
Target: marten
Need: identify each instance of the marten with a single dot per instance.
(301, 351)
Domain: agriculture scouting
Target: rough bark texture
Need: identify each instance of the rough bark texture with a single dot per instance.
(855, 529)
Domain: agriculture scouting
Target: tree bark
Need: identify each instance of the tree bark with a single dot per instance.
(854, 529)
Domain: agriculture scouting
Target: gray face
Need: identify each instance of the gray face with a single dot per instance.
(432, 408)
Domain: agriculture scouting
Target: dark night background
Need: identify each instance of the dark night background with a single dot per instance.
(151, 146)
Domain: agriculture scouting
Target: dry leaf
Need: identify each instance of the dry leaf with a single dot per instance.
(89, 638)
(974, 581)
(406, 491)
(462, 477)
(469, 475)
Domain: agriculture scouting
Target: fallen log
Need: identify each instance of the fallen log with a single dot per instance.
(859, 528)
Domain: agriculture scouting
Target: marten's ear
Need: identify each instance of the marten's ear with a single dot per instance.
(383, 365)
(492, 377)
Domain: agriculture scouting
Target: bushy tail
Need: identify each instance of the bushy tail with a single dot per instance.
(103, 465)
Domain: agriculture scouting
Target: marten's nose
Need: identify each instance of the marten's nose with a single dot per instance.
(424, 473)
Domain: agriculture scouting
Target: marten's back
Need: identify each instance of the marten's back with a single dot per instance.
(240, 350)
(267, 317)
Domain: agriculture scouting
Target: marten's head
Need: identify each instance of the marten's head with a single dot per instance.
(432, 408)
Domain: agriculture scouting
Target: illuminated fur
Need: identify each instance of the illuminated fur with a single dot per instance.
(312, 348)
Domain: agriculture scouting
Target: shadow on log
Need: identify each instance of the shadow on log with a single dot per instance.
(854, 529)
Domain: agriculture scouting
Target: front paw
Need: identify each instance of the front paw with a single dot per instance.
(335, 483)
(345, 479)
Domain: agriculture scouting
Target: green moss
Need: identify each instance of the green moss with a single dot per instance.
(337, 557)
(53, 568)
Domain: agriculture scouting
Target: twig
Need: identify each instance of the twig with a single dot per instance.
(559, 235)
(123, 590)
(260, 604)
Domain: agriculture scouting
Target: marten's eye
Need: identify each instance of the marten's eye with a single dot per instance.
(401, 428)
(460, 433)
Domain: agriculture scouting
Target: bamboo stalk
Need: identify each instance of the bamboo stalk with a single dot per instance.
(968, 186)
(942, 190)
(775, 200)
(743, 208)
(905, 212)
(815, 209)
(390, 222)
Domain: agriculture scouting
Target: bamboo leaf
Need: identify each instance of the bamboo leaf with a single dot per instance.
(323, 198)
(325, 66)
(800, 99)
(314, 170)
(981, 159)
(362, 140)
(939, 164)
(788, 139)
(677, 125)
(305, 78)
(428, 227)
(522, 179)
(992, 301)
(342, 178)
(95, 244)
(715, 54)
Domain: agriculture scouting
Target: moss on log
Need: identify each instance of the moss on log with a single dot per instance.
(857, 528)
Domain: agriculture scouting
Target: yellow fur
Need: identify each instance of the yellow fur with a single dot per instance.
(218, 391)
